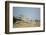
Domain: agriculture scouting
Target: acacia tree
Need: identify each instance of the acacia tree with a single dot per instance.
(22, 17)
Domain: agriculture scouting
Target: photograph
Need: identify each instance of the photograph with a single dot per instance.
(24, 17)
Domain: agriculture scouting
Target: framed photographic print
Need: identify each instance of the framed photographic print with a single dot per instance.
(24, 17)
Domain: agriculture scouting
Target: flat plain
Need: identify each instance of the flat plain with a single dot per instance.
(23, 24)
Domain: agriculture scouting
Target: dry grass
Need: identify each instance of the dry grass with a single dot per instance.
(22, 24)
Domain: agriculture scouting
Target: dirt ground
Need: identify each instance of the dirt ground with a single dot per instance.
(26, 24)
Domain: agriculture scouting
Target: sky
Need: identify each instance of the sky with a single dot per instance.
(32, 13)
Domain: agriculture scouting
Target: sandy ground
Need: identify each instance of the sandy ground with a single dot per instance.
(26, 24)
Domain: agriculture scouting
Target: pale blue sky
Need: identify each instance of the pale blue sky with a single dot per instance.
(27, 11)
